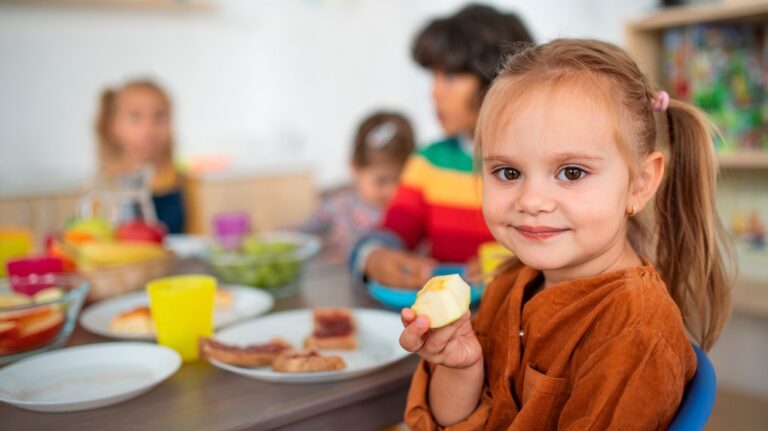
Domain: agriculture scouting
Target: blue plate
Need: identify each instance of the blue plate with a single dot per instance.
(398, 298)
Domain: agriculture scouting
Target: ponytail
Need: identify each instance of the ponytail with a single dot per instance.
(692, 249)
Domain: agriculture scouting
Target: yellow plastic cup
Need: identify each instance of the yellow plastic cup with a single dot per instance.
(491, 255)
(14, 242)
(182, 309)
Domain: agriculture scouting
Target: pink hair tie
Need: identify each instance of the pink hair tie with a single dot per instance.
(660, 103)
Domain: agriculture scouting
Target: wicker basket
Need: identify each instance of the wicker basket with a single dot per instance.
(113, 281)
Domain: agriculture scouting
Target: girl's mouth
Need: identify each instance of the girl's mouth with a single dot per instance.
(538, 233)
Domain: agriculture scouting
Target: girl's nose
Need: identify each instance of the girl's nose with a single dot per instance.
(534, 198)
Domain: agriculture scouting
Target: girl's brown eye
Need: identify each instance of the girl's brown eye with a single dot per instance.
(508, 174)
(571, 173)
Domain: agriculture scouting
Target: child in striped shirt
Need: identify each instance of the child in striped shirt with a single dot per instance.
(438, 201)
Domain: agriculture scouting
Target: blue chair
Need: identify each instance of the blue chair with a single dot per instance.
(699, 397)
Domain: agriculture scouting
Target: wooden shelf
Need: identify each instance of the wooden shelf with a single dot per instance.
(148, 5)
(685, 15)
(754, 160)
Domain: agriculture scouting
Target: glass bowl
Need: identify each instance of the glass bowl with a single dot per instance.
(26, 329)
(273, 261)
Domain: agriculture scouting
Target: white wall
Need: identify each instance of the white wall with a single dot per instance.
(270, 82)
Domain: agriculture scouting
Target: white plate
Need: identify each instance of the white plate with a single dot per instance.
(378, 333)
(86, 377)
(183, 245)
(246, 302)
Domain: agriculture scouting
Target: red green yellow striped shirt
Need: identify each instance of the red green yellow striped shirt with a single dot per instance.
(439, 200)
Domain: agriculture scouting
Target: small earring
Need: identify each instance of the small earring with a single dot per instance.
(632, 211)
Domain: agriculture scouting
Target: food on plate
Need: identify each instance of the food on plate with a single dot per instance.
(138, 321)
(443, 299)
(333, 328)
(223, 299)
(134, 322)
(307, 362)
(252, 355)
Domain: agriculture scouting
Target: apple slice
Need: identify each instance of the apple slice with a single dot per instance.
(49, 294)
(13, 300)
(444, 299)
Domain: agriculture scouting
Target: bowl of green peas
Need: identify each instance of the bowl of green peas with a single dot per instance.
(273, 261)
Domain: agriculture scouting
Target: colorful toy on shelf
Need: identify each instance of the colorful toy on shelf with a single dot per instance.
(749, 229)
(723, 68)
(755, 231)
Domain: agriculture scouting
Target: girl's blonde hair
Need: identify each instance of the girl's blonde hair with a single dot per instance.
(110, 151)
(681, 231)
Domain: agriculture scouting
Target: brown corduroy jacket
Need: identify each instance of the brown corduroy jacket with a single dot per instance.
(608, 352)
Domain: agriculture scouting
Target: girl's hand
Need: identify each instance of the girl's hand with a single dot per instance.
(400, 269)
(452, 346)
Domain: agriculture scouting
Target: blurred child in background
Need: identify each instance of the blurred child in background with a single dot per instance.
(438, 201)
(382, 144)
(134, 132)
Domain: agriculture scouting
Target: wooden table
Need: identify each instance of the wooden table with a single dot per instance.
(202, 397)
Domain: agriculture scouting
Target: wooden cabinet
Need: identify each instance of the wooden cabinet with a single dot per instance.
(272, 200)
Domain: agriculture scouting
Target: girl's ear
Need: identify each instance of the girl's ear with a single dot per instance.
(648, 180)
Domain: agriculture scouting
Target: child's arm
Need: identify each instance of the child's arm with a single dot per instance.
(457, 382)
(403, 227)
(455, 392)
(398, 268)
(633, 382)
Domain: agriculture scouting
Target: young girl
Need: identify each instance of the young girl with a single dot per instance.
(587, 328)
(133, 128)
(383, 143)
(438, 199)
